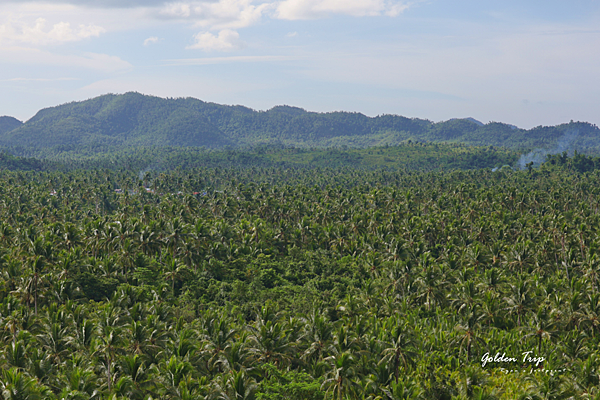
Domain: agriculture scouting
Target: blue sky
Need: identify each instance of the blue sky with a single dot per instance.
(527, 63)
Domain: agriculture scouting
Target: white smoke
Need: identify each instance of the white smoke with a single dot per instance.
(538, 156)
(504, 167)
(152, 167)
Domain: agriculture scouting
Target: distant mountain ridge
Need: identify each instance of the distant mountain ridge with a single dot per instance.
(8, 124)
(479, 123)
(111, 121)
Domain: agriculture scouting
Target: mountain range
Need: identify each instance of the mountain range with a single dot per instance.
(130, 120)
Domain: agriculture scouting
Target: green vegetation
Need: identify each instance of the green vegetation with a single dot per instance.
(286, 283)
(10, 162)
(408, 156)
(578, 162)
(8, 124)
(112, 123)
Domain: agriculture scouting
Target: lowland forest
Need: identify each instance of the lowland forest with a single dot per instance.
(175, 249)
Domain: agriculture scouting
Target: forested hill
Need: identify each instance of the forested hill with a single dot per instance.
(116, 121)
(112, 122)
(8, 124)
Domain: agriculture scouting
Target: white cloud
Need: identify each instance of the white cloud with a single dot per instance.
(94, 3)
(151, 40)
(310, 9)
(224, 60)
(226, 40)
(90, 30)
(41, 79)
(71, 20)
(214, 15)
(176, 10)
(104, 62)
(393, 10)
(292, 34)
(92, 61)
(233, 14)
(38, 34)
(83, 20)
(236, 14)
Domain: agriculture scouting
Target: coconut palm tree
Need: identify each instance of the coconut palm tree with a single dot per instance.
(400, 346)
(340, 380)
(16, 385)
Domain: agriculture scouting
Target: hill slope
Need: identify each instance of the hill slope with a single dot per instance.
(111, 122)
(7, 124)
(115, 121)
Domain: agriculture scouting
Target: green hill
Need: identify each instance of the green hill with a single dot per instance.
(7, 124)
(116, 122)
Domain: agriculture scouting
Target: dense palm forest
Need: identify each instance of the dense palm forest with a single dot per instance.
(283, 283)
(408, 156)
(413, 156)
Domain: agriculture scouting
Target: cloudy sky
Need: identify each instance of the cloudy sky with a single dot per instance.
(524, 62)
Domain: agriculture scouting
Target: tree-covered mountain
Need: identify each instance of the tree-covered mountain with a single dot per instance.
(111, 122)
(8, 124)
(116, 121)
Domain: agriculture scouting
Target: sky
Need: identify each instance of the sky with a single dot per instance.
(522, 62)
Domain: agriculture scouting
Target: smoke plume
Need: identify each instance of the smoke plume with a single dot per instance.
(538, 156)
